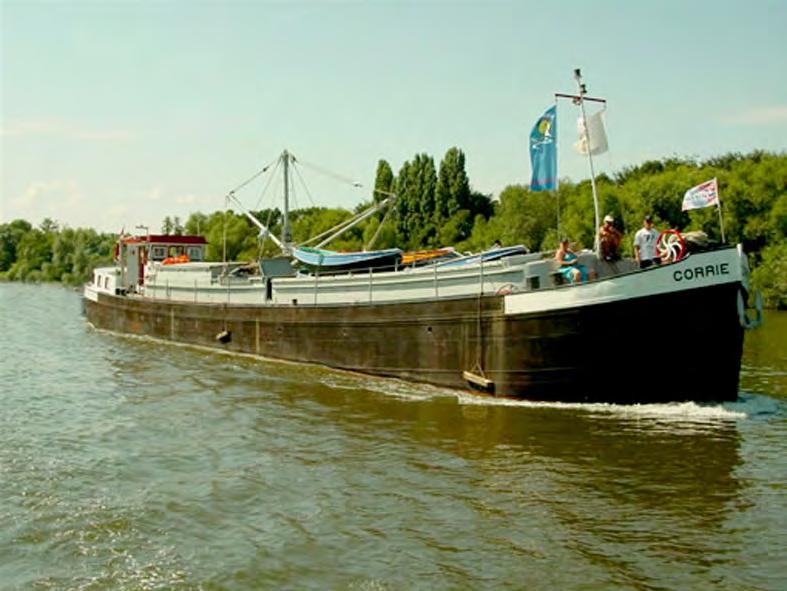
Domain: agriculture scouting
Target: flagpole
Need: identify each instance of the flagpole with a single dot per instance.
(721, 223)
(581, 100)
(557, 184)
(718, 206)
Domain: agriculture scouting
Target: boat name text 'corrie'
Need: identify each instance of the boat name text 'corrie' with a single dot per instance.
(701, 272)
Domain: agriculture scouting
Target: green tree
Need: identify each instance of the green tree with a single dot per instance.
(10, 236)
(49, 226)
(384, 181)
(33, 250)
(523, 217)
(63, 252)
(452, 192)
(375, 236)
(315, 221)
(241, 237)
(196, 224)
(416, 182)
(769, 276)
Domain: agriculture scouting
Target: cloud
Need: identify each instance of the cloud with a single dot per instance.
(38, 193)
(159, 194)
(67, 129)
(189, 199)
(758, 116)
(56, 199)
(118, 212)
(155, 194)
(67, 202)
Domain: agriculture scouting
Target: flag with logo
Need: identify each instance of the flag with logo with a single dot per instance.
(592, 136)
(543, 151)
(703, 195)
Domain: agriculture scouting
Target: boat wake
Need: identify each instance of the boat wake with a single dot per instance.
(748, 405)
(690, 411)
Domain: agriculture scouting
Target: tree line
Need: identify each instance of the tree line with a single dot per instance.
(436, 206)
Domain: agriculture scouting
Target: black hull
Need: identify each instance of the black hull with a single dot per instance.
(677, 346)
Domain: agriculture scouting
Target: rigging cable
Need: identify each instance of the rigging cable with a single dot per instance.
(293, 197)
(340, 226)
(303, 183)
(334, 175)
(254, 176)
(267, 185)
(380, 227)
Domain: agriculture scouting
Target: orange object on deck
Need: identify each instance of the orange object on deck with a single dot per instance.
(184, 258)
(418, 256)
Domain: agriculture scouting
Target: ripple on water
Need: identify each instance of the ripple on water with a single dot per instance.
(128, 463)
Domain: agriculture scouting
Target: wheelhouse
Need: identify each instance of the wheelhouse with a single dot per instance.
(136, 251)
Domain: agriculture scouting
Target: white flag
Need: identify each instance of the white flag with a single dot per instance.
(598, 137)
(703, 195)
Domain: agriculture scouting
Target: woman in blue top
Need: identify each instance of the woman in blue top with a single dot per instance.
(572, 270)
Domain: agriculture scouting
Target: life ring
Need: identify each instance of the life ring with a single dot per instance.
(670, 246)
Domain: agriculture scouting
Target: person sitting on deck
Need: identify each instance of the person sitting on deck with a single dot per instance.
(570, 267)
(609, 240)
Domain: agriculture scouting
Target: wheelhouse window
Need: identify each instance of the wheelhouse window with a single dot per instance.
(158, 253)
(195, 253)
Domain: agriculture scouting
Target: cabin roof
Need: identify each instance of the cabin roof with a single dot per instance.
(164, 239)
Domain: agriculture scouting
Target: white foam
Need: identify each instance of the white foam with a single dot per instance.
(690, 411)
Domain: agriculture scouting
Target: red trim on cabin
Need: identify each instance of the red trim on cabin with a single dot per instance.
(164, 239)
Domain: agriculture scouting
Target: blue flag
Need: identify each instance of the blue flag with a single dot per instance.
(543, 151)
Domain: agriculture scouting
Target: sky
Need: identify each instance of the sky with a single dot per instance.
(116, 114)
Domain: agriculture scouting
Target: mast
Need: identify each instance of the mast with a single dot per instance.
(285, 243)
(579, 100)
(286, 231)
(582, 92)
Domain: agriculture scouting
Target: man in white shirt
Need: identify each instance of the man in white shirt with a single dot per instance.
(645, 244)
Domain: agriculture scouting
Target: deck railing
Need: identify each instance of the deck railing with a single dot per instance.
(223, 289)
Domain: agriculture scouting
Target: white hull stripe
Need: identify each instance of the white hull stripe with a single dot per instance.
(696, 271)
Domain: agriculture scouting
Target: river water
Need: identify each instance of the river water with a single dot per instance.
(127, 463)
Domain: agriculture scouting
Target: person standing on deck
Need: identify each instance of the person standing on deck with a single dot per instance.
(645, 244)
(609, 240)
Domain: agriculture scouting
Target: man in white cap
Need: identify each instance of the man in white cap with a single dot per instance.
(609, 240)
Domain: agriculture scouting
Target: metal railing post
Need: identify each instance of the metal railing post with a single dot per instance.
(316, 284)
